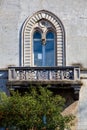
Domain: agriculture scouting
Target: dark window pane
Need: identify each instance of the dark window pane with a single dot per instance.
(50, 49)
(37, 49)
(50, 35)
(37, 35)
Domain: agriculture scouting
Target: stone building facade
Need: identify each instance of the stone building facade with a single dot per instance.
(21, 20)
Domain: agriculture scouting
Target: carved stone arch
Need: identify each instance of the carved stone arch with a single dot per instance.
(27, 29)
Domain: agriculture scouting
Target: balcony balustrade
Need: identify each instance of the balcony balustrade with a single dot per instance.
(43, 74)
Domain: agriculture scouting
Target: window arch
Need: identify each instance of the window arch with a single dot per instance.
(51, 30)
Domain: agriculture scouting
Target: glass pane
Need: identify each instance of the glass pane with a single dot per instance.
(44, 55)
(37, 49)
(50, 50)
(37, 35)
(50, 35)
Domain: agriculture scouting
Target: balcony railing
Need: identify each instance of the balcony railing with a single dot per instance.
(44, 73)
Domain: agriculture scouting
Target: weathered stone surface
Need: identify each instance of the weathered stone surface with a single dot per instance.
(82, 109)
(72, 109)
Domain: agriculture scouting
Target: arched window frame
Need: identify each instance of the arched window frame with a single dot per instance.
(27, 31)
(54, 49)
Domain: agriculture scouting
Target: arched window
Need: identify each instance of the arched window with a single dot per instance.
(43, 40)
(44, 52)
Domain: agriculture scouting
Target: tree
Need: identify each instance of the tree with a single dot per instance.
(38, 108)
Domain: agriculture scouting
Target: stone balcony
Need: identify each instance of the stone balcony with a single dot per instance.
(56, 77)
(43, 75)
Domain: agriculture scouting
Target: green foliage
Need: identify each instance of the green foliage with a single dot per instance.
(39, 108)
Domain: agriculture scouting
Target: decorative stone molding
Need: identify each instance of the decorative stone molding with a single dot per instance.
(27, 32)
(43, 26)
